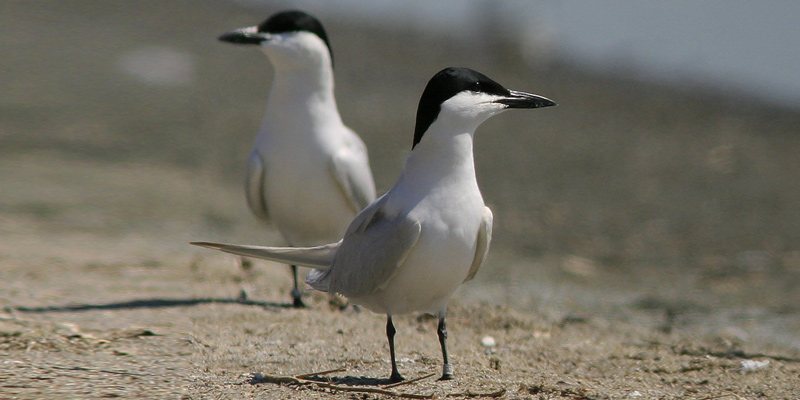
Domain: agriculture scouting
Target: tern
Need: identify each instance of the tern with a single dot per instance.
(308, 173)
(414, 246)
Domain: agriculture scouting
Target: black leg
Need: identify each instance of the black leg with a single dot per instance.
(297, 297)
(390, 331)
(247, 265)
(247, 268)
(447, 369)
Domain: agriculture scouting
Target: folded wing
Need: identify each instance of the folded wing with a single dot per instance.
(350, 170)
(254, 185)
(373, 249)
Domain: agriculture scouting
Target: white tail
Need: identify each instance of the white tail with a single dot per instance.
(319, 257)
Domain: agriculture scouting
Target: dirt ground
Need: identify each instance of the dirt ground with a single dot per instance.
(647, 238)
(169, 326)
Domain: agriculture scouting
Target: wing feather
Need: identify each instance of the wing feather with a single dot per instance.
(255, 177)
(482, 243)
(373, 249)
(352, 174)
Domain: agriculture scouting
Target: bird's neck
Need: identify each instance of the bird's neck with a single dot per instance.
(301, 104)
(439, 159)
(302, 91)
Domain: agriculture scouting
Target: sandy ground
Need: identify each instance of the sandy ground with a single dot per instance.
(646, 237)
(173, 328)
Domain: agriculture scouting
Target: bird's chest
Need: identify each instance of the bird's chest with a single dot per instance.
(293, 154)
(450, 218)
(300, 190)
(451, 205)
(295, 172)
(440, 259)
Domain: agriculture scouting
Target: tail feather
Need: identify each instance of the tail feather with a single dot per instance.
(319, 280)
(319, 257)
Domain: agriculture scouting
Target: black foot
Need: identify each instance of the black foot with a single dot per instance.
(297, 299)
(447, 372)
(396, 377)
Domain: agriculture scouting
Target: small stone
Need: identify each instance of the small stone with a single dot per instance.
(753, 365)
(488, 342)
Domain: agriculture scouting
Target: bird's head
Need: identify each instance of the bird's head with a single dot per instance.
(291, 39)
(465, 98)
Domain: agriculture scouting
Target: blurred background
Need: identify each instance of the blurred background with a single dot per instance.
(664, 186)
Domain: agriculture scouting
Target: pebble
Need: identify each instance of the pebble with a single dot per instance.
(753, 365)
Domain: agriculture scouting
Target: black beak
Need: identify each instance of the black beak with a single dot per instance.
(517, 99)
(249, 35)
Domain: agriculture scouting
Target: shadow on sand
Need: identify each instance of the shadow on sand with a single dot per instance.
(152, 303)
(258, 378)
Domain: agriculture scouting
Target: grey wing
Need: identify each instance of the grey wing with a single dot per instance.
(482, 243)
(372, 251)
(350, 170)
(255, 179)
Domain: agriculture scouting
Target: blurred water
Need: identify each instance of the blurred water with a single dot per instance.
(159, 65)
(732, 45)
(741, 44)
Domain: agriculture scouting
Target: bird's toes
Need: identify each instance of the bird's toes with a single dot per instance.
(447, 373)
(297, 299)
(396, 377)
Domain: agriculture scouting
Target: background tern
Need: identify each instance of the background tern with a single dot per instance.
(307, 173)
(413, 247)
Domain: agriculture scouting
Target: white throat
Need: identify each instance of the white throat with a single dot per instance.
(441, 164)
(446, 146)
(300, 101)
